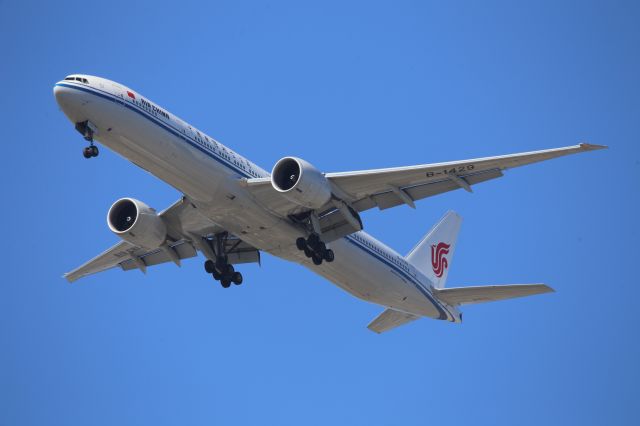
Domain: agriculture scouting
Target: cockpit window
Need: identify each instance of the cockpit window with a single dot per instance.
(80, 79)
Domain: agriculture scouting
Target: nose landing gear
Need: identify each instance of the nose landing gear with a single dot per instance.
(90, 151)
(87, 130)
(315, 249)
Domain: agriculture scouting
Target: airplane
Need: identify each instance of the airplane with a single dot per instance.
(231, 210)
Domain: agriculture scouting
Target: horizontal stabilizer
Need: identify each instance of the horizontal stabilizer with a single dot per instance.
(389, 319)
(480, 294)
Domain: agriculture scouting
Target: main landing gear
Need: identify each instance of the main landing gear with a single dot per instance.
(87, 130)
(315, 249)
(220, 269)
(223, 271)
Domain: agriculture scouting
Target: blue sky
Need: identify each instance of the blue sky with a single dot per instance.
(345, 85)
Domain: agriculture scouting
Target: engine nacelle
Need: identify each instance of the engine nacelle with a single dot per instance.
(301, 183)
(137, 223)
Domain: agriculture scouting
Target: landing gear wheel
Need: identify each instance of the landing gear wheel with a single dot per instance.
(329, 256)
(218, 264)
(315, 249)
(94, 151)
(313, 240)
(221, 262)
(87, 153)
(321, 247)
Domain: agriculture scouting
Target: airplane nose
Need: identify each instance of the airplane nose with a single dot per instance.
(68, 100)
(62, 94)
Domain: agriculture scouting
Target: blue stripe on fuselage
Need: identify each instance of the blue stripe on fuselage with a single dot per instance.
(412, 280)
(170, 129)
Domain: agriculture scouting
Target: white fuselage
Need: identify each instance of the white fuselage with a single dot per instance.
(211, 177)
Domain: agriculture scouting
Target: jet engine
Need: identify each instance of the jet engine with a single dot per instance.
(137, 223)
(301, 183)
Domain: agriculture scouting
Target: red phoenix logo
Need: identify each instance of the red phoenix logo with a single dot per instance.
(438, 259)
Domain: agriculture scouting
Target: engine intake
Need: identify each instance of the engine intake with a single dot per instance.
(137, 223)
(301, 183)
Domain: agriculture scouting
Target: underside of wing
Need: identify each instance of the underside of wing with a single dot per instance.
(390, 198)
(385, 188)
(187, 233)
(128, 257)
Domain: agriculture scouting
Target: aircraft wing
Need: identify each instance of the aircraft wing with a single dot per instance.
(188, 232)
(385, 188)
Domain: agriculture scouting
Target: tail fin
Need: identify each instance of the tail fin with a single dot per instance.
(433, 254)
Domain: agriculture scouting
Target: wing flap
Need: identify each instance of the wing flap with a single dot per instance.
(480, 294)
(390, 319)
(239, 252)
(183, 250)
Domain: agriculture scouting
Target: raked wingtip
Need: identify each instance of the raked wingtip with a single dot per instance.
(592, 147)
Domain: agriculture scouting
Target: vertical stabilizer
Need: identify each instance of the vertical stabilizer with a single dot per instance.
(433, 254)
